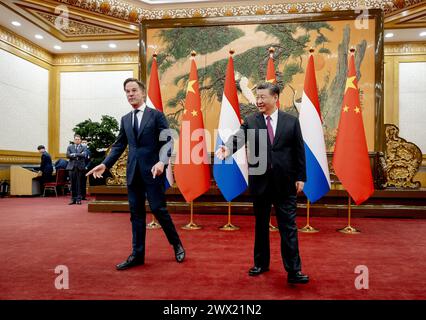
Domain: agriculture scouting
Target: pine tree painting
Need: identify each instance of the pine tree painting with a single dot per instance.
(291, 41)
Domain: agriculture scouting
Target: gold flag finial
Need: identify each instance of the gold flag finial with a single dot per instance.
(352, 50)
(311, 50)
(271, 50)
(231, 51)
(193, 53)
(154, 55)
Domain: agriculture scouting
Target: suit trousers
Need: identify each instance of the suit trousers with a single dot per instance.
(138, 191)
(76, 175)
(285, 210)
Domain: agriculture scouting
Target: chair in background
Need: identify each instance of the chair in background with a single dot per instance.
(61, 181)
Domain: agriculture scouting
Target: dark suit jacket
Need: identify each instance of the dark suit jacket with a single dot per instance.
(76, 159)
(285, 158)
(146, 149)
(46, 166)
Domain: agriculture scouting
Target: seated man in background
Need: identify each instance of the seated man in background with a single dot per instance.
(61, 164)
(46, 167)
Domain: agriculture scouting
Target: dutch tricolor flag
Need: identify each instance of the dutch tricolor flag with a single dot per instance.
(154, 101)
(231, 174)
(318, 177)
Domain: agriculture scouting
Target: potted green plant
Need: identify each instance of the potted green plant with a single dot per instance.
(100, 136)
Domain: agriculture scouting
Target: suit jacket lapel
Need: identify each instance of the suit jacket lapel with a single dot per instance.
(147, 113)
(261, 121)
(280, 127)
(128, 127)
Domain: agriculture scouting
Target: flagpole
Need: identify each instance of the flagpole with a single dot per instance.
(308, 228)
(229, 226)
(349, 229)
(191, 225)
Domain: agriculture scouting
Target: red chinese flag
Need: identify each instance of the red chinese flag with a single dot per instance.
(192, 171)
(350, 160)
(270, 73)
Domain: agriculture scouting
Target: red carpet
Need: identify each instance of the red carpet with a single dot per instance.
(37, 234)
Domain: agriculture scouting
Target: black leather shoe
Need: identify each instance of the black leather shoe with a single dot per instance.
(78, 201)
(255, 271)
(131, 261)
(179, 252)
(72, 202)
(297, 277)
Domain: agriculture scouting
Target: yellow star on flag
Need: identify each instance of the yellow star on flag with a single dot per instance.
(350, 83)
(271, 80)
(190, 84)
(194, 113)
(345, 108)
(357, 110)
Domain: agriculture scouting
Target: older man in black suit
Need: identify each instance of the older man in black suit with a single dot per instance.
(278, 135)
(146, 132)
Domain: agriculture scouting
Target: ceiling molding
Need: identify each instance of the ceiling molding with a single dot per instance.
(412, 48)
(79, 25)
(137, 13)
(413, 16)
(10, 38)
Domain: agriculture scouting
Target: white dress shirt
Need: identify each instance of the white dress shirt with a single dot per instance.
(139, 114)
(274, 120)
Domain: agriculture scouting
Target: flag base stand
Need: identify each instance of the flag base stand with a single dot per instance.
(349, 230)
(229, 226)
(308, 229)
(191, 225)
(271, 226)
(153, 224)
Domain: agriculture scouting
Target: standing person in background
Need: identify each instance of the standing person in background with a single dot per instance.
(86, 168)
(46, 167)
(76, 153)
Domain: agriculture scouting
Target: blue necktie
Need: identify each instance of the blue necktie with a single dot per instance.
(135, 123)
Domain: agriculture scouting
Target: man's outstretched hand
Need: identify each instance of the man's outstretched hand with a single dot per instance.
(97, 171)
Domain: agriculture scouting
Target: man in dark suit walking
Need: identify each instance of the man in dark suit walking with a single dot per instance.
(46, 167)
(76, 153)
(278, 144)
(146, 132)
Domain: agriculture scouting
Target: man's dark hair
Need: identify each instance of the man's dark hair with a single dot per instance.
(140, 83)
(40, 147)
(77, 136)
(273, 88)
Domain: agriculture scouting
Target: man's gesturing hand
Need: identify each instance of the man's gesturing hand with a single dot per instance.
(222, 152)
(299, 186)
(157, 169)
(97, 171)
